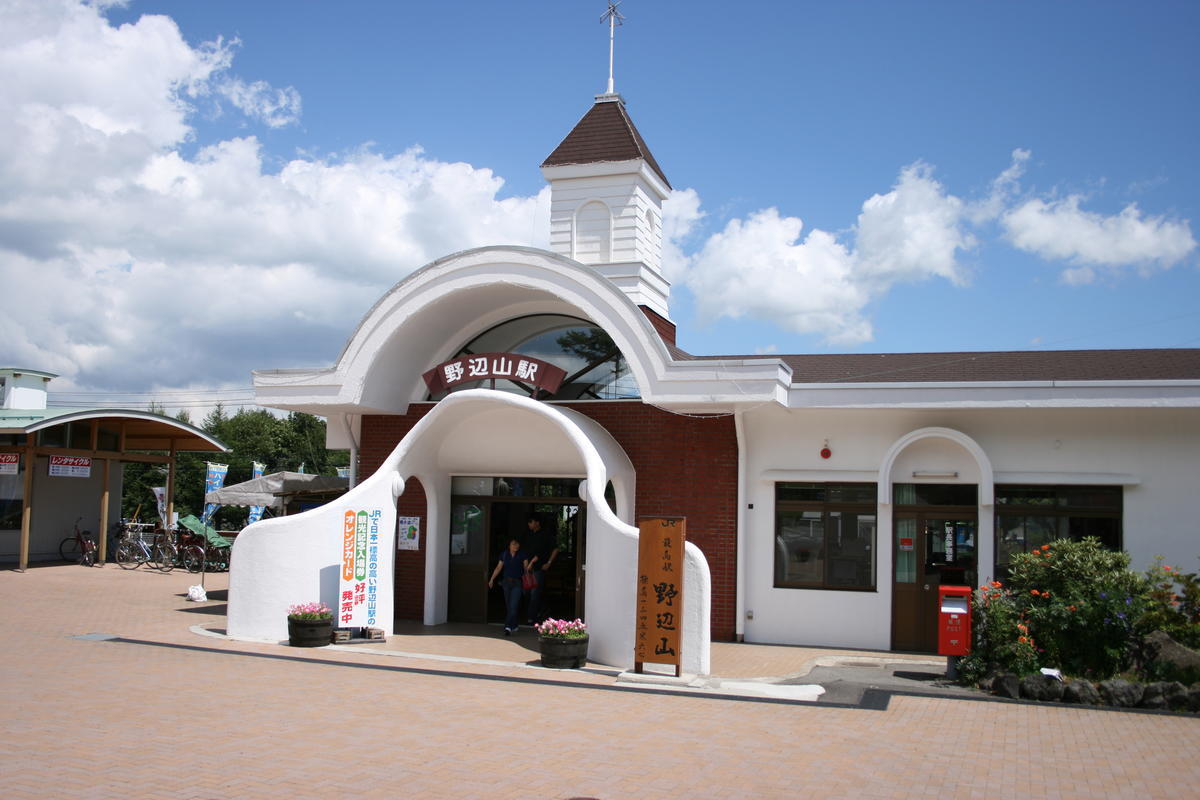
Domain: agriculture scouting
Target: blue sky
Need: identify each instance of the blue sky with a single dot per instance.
(973, 176)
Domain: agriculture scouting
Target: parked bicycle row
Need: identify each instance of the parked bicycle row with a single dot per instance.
(134, 544)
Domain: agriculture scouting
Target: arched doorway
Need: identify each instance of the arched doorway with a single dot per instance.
(485, 513)
(935, 481)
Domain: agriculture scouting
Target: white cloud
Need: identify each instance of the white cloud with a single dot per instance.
(148, 268)
(681, 221)
(912, 233)
(1061, 230)
(259, 100)
(761, 267)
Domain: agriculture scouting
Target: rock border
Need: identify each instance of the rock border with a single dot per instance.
(1113, 693)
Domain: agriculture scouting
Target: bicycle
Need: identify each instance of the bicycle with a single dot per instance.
(78, 547)
(197, 556)
(133, 552)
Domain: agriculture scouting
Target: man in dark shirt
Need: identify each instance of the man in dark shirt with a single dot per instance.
(542, 547)
(513, 562)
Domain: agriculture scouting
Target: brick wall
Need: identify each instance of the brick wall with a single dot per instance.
(686, 466)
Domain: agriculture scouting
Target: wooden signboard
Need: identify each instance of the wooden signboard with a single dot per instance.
(659, 632)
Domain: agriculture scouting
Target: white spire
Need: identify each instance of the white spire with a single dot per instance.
(614, 19)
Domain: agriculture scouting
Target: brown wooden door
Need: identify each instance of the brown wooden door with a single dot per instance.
(930, 550)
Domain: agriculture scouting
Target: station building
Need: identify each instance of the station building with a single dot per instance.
(826, 497)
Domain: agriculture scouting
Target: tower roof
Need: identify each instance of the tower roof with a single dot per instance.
(606, 133)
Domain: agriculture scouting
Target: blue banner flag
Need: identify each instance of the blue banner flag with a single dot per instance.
(256, 512)
(214, 479)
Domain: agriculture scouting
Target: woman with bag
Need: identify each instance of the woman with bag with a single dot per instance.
(515, 566)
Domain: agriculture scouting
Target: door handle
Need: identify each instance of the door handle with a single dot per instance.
(927, 587)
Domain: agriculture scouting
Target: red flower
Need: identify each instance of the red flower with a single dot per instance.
(1045, 547)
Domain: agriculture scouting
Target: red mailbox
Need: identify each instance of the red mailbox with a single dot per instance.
(954, 620)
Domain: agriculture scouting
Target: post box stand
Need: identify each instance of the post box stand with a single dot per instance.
(954, 625)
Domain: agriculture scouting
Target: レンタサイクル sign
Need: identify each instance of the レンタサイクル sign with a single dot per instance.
(533, 372)
(658, 632)
(10, 463)
(70, 466)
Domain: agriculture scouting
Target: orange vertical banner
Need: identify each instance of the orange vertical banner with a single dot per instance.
(658, 633)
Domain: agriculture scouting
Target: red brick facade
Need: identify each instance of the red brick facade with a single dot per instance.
(686, 466)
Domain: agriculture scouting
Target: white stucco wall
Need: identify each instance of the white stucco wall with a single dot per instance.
(1153, 453)
(288, 560)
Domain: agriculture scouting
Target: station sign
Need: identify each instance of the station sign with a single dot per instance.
(658, 632)
(533, 372)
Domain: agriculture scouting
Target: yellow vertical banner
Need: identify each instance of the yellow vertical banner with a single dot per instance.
(658, 633)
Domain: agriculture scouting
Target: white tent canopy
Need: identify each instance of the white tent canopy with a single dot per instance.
(275, 490)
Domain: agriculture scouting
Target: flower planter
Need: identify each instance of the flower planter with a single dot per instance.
(310, 632)
(558, 653)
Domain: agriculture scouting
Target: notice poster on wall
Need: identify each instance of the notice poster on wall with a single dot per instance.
(10, 463)
(408, 533)
(358, 584)
(70, 467)
(659, 624)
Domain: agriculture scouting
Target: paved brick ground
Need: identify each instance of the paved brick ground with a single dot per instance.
(164, 712)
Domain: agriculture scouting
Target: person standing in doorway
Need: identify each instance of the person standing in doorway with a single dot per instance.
(542, 547)
(512, 564)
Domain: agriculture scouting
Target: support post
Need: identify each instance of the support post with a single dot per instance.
(27, 504)
(101, 534)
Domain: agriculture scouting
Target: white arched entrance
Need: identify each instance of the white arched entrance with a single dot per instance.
(287, 560)
(928, 456)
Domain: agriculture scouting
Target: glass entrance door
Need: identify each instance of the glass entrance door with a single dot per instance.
(931, 549)
(469, 562)
(497, 510)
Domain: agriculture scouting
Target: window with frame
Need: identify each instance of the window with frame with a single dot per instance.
(1031, 516)
(825, 535)
(595, 367)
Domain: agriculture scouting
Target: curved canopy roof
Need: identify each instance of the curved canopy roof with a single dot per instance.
(142, 430)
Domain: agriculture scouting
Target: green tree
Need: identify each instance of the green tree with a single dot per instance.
(279, 443)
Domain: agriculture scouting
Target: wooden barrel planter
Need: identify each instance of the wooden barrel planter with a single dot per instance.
(310, 632)
(563, 653)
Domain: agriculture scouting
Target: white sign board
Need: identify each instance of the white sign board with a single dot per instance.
(408, 533)
(10, 463)
(70, 466)
(358, 587)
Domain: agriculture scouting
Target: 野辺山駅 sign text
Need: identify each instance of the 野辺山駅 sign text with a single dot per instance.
(358, 581)
(540, 375)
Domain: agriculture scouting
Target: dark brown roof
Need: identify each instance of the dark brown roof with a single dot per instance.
(606, 133)
(1039, 365)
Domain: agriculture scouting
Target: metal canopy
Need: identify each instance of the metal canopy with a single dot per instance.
(276, 489)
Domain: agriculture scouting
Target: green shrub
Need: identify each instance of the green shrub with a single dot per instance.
(1082, 603)
(1069, 605)
(1172, 604)
(1000, 637)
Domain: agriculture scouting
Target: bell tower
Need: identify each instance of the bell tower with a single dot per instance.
(606, 196)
